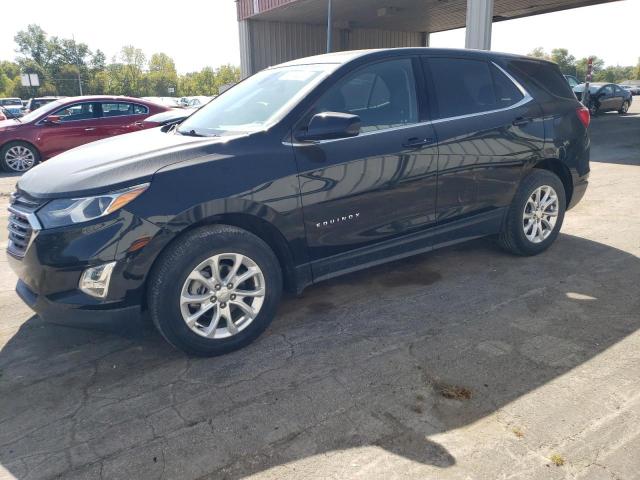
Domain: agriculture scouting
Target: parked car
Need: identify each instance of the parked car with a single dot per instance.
(170, 102)
(67, 123)
(12, 106)
(304, 171)
(633, 89)
(170, 117)
(4, 115)
(605, 97)
(571, 80)
(194, 102)
(35, 103)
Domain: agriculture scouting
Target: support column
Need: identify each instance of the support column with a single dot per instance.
(424, 39)
(479, 20)
(329, 26)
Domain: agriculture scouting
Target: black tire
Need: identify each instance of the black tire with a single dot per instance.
(178, 261)
(10, 145)
(512, 238)
(624, 109)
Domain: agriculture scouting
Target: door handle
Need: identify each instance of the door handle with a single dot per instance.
(416, 142)
(91, 129)
(521, 122)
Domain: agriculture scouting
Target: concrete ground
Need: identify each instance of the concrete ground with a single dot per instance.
(466, 363)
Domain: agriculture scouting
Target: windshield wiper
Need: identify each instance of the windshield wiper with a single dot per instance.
(190, 133)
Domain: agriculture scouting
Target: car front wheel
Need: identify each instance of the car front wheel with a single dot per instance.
(535, 215)
(18, 157)
(214, 290)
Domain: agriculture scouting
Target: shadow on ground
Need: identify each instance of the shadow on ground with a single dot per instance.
(386, 357)
(614, 137)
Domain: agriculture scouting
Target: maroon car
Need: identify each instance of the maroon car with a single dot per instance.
(67, 123)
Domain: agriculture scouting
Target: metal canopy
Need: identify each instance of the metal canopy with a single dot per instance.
(398, 15)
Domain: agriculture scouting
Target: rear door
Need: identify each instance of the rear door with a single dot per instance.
(361, 194)
(121, 117)
(488, 128)
(619, 95)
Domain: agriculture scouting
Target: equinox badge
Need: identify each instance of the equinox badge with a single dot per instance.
(333, 221)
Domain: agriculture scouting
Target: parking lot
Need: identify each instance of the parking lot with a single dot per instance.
(466, 363)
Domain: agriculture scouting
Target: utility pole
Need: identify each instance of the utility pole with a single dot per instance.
(329, 29)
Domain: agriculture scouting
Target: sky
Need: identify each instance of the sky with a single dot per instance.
(205, 32)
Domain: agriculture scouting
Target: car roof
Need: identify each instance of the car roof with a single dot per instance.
(95, 98)
(350, 55)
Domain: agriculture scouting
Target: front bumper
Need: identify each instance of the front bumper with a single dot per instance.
(50, 271)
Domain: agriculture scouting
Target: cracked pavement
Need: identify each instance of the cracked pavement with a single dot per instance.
(465, 363)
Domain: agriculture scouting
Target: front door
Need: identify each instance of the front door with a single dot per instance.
(487, 128)
(361, 194)
(76, 125)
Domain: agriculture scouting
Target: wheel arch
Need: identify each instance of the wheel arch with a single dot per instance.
(556, 166)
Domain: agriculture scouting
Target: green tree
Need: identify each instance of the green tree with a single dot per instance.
(538, 52)
(565, 60)
(581, 67)
(162, 74)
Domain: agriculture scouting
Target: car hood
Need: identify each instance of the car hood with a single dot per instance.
(8, 123)
(113, 163)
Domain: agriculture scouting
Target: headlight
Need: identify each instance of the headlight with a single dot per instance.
(67, 211)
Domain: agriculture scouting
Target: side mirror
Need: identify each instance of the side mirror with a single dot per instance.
(331, 125)
(52, 119)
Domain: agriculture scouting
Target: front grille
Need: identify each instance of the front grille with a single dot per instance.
(21, 219)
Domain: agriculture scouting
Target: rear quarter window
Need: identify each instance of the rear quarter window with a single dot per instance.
(545, 79)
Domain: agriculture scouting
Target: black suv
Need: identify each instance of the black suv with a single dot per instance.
(302, 172)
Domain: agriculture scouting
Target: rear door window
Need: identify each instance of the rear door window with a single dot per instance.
(466, 86)
(117, 109)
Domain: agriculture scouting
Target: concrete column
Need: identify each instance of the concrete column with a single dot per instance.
(424, 39)
(479, 20)
(246, 53)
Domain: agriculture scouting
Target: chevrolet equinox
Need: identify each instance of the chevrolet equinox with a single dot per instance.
(304, 171)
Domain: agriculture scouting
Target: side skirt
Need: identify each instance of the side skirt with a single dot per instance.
(480, 225)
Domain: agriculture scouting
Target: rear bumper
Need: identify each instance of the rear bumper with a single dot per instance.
(579, 189)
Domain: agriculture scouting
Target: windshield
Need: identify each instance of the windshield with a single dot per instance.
(11, 101)
(38, 112)
(256, 102)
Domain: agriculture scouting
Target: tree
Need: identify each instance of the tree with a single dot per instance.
(637, 72)
(162, 74)
(581, 67)
(565, 61)
(538, 52)
(33, 44)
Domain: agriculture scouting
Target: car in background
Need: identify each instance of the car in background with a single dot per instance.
(4, 115)
(572, 81)
(195, 101)
(170, 102)
(605, 97)
(67, 123)
(12, 105)
(168, 118)
(36, 103)
(633, 89)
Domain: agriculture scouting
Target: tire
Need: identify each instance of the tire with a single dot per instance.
(18, 157)
(514, 236)
(624, 109)
(172, 277)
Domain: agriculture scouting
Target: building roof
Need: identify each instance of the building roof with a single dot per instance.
(398, 15)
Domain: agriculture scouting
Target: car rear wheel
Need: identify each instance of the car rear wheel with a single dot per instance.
(215, 290)
(18, 157)
(535, 215)
(624, 109)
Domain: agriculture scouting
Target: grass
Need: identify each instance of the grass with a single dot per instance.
(454, 392)
(557, 459)
(517, 432)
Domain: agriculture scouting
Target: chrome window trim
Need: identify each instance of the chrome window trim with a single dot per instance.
(526, 98)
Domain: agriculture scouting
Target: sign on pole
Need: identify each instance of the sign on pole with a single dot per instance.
(30, 80)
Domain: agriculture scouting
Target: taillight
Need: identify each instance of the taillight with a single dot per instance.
(584, 115)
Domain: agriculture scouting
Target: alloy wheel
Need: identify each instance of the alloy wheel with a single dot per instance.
(222, 295)
(540, 214)
(19, 158)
